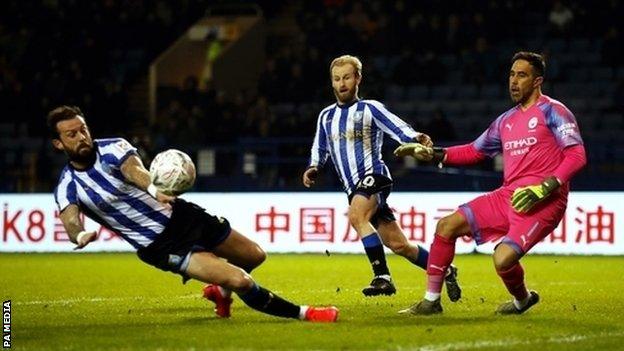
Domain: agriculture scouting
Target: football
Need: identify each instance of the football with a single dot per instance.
(172, 172)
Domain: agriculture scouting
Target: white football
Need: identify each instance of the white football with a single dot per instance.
(172, 172)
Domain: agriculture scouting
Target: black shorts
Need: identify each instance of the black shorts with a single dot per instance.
(380, 186)
(189, 230)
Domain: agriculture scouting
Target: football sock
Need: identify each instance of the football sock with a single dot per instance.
(265, 301)
(375, 252)
(430, 296)
(514, 281)
(440, 257)
(520, 304)
(421, 259)
(302, 311)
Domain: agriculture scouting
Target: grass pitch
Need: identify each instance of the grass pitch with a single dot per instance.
(114, 301)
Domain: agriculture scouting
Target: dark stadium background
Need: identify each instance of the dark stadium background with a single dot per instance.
(440, 65)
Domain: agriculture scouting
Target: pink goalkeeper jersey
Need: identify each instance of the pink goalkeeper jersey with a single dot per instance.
(531, 141)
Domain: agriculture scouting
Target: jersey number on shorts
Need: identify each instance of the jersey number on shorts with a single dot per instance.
(368, 182)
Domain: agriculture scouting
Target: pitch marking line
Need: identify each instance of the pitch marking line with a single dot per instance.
(102, 299)
(505, 343)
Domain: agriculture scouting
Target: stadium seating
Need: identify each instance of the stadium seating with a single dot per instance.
(416, 78)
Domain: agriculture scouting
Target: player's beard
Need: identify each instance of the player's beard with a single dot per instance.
(518, 97)
(347, 96)
(83, 156)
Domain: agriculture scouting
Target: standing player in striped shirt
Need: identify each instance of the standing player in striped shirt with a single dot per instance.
(106, 180)
(542, 149)
(351, 132)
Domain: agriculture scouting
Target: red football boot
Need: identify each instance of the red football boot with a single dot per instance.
(222, 308)
(321, 314)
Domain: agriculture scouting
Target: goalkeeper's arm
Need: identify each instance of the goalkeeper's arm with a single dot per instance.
(454, 155)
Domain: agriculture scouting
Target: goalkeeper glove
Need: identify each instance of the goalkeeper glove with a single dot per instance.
(421, 152)
(523, 199)
(416, 150)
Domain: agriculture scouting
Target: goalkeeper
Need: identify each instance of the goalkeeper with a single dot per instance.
(542, 149)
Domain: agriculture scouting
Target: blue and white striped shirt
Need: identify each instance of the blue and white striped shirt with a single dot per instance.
(352, 135)
(104, 195)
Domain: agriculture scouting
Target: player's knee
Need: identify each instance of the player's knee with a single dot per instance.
(502, 261)
(258, 256)
(239, 282)
(447, 228)
(356, 217)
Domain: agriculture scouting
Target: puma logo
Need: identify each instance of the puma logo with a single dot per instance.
(441, 269)
(509, 126)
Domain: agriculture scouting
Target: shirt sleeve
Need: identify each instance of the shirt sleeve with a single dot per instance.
(573, 161)
(65, 192)
(319, 152)
(463, 155)
(562, 124)
(391, 124)
(116, 151)
(489, 142)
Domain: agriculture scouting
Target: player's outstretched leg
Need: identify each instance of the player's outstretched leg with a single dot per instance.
(208, 268)
(240, 251)
(518, 307)
(265, 301)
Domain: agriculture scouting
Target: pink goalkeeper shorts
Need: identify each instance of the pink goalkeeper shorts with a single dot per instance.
(491, 217)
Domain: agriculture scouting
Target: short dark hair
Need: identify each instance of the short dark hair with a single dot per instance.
(536, 60)
(61, 113)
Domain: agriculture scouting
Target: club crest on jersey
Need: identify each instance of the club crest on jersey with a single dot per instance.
(533, 123)
(358, 115)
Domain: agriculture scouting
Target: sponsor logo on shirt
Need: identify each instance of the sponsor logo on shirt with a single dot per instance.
(123, 145)
(350, 135)
(520, 146)
(515, 144)
(567, 129)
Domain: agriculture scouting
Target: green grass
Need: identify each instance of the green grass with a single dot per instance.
(113, 301)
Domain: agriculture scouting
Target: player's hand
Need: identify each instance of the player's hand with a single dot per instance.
(416, 150)
(164, 198)
(525, 198)
(425, 140)
(309, 176)
(84, 238)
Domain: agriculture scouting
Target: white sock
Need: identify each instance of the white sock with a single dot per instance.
(520, 304)
(224, 292)
(302, 311)
(384, 276)
(430, 296)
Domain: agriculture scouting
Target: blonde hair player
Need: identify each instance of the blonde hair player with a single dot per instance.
(350, 132)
